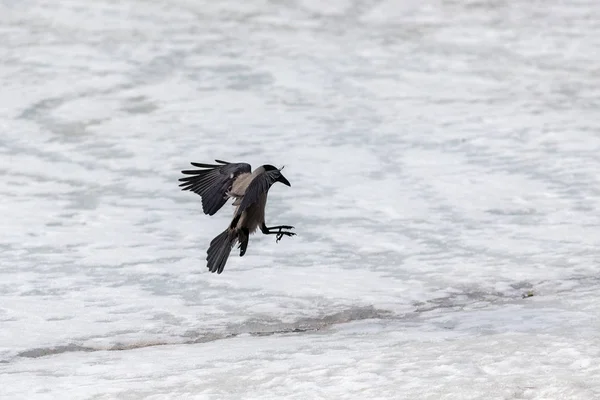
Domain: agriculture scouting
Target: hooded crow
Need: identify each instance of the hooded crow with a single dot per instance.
(216, 183)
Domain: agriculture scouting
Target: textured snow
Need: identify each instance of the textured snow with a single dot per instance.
(444, 162)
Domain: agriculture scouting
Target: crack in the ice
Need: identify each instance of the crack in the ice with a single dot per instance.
(48, 351)
(260, 327)
(252, 328)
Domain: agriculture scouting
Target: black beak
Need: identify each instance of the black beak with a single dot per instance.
(284, 181)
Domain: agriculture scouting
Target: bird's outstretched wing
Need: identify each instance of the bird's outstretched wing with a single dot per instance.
(213, 182)
(260, 185)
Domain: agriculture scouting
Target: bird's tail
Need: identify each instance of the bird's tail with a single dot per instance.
(219, 249)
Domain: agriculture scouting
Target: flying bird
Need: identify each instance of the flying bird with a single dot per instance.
(217, 183)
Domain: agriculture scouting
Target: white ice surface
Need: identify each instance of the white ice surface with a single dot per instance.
(444, 161)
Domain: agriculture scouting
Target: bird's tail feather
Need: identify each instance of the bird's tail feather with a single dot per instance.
(219, 249)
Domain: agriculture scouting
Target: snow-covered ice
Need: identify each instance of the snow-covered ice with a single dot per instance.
(444, 160)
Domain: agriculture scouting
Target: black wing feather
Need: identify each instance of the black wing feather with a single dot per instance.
(212, 182)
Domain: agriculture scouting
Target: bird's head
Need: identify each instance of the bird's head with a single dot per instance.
(277, 172)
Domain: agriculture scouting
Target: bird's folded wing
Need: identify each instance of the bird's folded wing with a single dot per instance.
(213, 182)
(260, 185)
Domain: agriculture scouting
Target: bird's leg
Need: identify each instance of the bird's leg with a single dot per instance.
(280, 227)
(277, 230)
(243, 236)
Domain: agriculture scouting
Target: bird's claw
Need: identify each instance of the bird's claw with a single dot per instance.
(281, 233)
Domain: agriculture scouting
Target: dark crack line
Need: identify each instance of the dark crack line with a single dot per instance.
(260, 328)
(257, 329)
